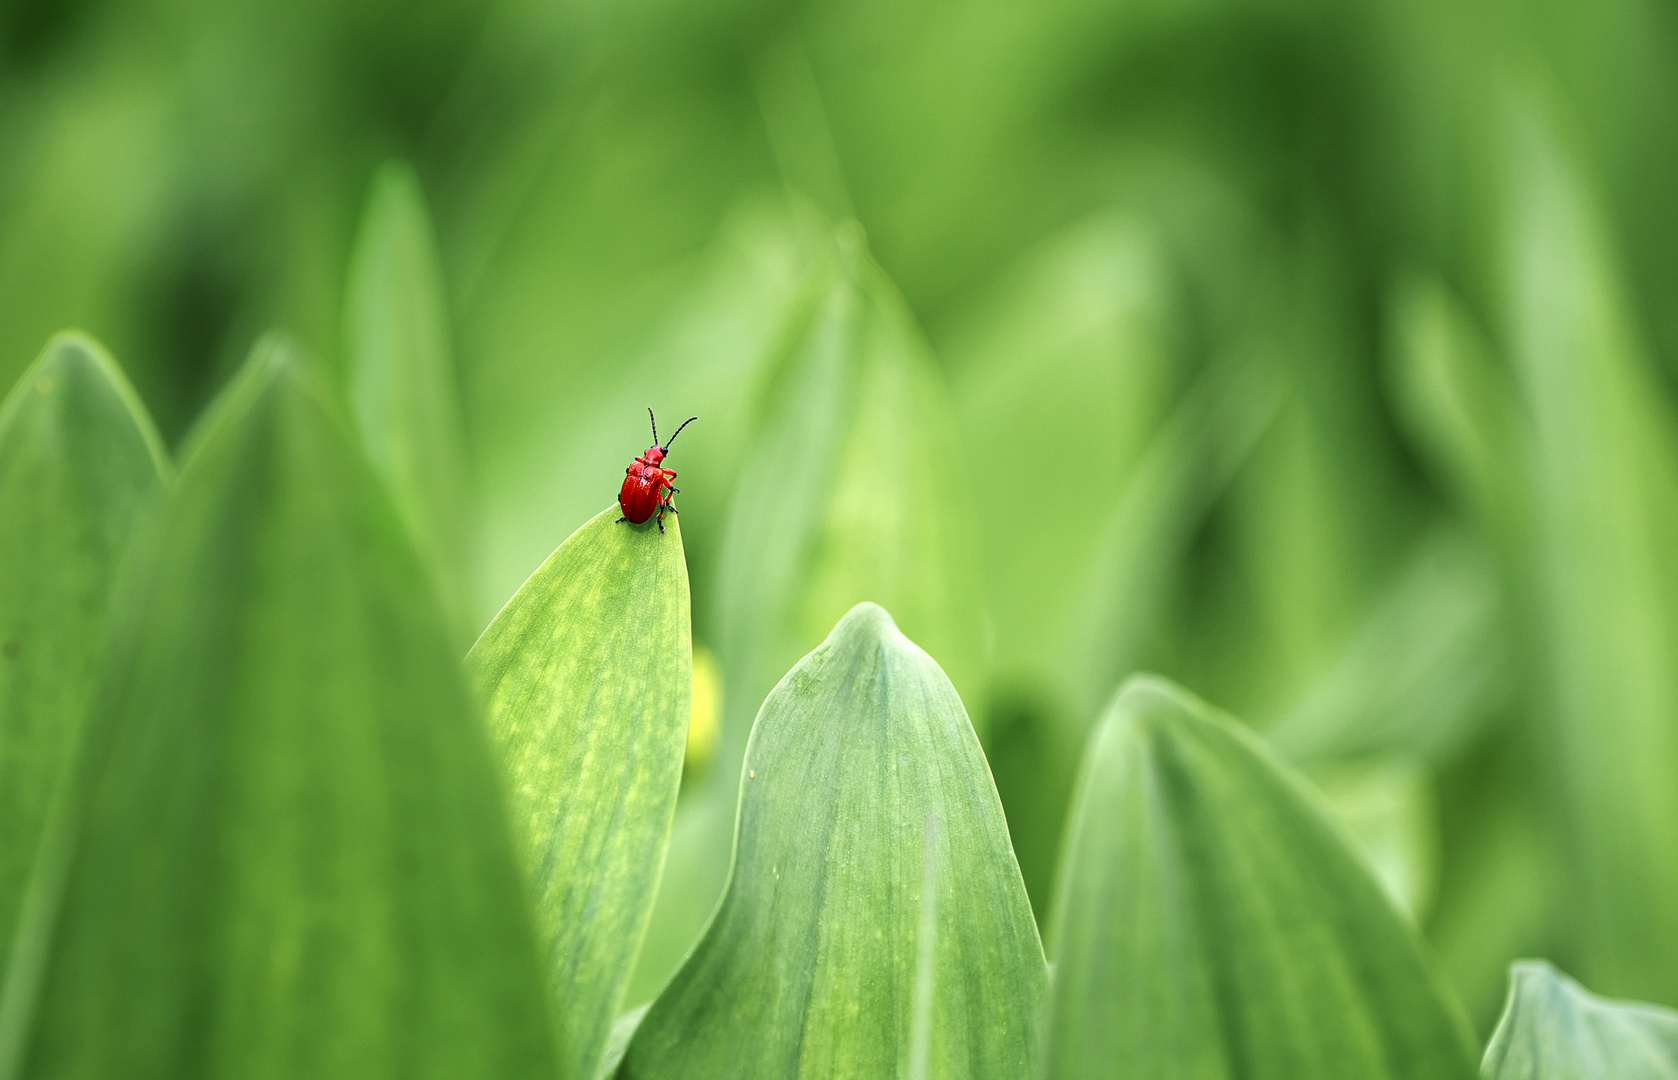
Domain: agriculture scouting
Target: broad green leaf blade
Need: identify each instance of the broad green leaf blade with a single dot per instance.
(809, 967)
(1603, 554)
(288, 791)
(1211, 922)
(587, 674)
(402, 383)
(79, 460)
(1554, 1029)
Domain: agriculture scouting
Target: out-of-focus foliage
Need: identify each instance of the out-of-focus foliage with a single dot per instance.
(400, 377)
(1319, 356)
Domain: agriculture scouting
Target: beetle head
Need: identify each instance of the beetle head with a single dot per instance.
(655, 453)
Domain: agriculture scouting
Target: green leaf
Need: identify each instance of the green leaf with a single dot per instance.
(1602, 558)
(617, 1045)
(1501, 897)
(289, 792)
(402, 382)
(1386, 807)
(79, 460)
(835, 504)
(587, 674)
(1554, 1029)
(1210, 921)
(1082, 345)
(839, 501)
(1077, 346)
(811, 963)
(1421, 672)
(1458, 406)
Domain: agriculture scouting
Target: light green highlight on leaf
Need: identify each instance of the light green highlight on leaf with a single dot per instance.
(287, 788)
(79, 463)
(1386, 807)
(1554, 1029)
(402, 383)
(623, 1030)
(586, 675)
(1602, 558)
(809, 966)
(1210, 921)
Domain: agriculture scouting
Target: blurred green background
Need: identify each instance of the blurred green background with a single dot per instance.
(1317, 355)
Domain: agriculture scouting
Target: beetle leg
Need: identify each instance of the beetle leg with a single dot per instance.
(622, 519)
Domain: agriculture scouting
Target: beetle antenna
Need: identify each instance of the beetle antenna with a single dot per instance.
(654, 419)
(685, 423)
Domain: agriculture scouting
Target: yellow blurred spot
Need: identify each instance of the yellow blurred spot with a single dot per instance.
(705, 717)
(43, 385)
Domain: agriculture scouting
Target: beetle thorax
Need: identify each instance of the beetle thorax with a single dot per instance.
(654, 455)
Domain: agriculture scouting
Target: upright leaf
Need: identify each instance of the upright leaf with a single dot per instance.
(811, 964)
(844, 496)
(286, 854)
(401, 377)
(1604, 540)
(78, 461)
(586, 674)
(1074, 357)
(1421, 671)
(1458, 406)
(1211, 922)
(1554, 1029)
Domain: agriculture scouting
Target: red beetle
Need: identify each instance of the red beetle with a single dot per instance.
(647, 487)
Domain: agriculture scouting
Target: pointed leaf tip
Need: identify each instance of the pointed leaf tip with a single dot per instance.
(868, 618)
(80, 463)
(286, 784)
(586, 675)
(1210, 920)
(817, 962)
(1554, 1029)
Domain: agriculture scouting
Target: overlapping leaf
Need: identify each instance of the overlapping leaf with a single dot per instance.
(586, 675)
(1211, 922)
(823, 951)
(1554, 1029)
(1602, 537)
(285, 854)
(79, 461)
(402, 381)
(843, 497)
